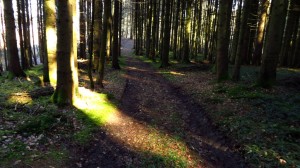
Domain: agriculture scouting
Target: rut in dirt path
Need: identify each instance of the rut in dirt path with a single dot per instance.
(155, 120)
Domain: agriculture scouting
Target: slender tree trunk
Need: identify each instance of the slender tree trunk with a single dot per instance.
(28, 34)
(43, 43)
(186, 50)
(236, 32)
(166, 37)
(289, 33)
(223, 36)
(115, 51)
(107, 8)
(11, 41)
(148, 34)
(176, 24)
(32, 32)
(51, 39)
(242, 41)
(91, 47)
(97, 33)
(260, 32)
(154, 32)
(109, 33)
(82, 46)
(4, 40)
(21, 41)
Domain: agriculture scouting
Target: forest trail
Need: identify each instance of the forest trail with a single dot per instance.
(158, 125)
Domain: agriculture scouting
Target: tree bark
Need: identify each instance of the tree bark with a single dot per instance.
(115, 51)
(223, 33)
(260, 32)
(267, 76)
(107, 9)
(166, 37)
(65, 89)
(11, 41)
(97, 33)
(51, 39)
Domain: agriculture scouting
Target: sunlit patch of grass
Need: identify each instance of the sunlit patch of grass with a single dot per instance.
(96, 106)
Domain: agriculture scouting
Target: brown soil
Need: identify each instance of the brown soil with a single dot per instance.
(155, 116)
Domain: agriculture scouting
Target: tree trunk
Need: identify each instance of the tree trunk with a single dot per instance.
(51, 39)
(11, 41)
(65, 89)
(289, 33)
(107, 9)
(223, 33)
(267, 76)
(97, 33)
(242, 41)
(186, 45)
(148, 34)
(115, 51)
(260, 32)
(166, 37)
(82, 46)
(91, 38)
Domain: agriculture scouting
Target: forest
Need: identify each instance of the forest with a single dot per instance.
(150, 83)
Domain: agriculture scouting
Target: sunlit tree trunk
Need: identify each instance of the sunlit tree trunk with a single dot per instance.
(65, 89)
(223, 33)
(267, 76)
(109, 33)
(4, 40)
(11, 41)
(264, 5)
(51, 38)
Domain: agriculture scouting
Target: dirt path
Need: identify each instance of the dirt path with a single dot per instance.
(156, 124)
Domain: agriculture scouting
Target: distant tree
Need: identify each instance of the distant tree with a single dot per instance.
(223, 33)
(11, 41)
(65, 88)
(267, 76)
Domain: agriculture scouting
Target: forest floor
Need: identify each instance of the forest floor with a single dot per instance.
(151, 117)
